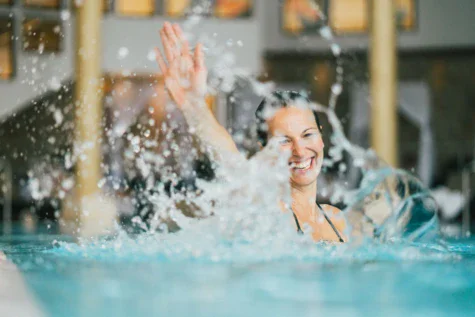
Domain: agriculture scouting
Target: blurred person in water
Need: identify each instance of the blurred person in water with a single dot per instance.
(173, 169)
(122, 109)
(143, 132)
(284, 117)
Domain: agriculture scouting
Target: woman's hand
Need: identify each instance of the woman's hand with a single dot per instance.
(184, 74)
(185, 77)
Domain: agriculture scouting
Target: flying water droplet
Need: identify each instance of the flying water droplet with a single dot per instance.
(336, 49)
(337, 89)
(65, 15)
(151, 56)
(54, 83)
(326, 33)
(122, 53)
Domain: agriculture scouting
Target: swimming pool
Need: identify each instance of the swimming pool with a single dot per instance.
(436, 279)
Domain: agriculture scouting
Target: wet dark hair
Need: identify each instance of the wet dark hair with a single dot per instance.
(277, 100)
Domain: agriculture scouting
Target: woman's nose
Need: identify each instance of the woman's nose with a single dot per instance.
(298, 148)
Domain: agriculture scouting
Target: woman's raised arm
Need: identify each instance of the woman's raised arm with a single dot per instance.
(185, 77)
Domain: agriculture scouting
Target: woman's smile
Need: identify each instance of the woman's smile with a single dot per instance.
(303, 165)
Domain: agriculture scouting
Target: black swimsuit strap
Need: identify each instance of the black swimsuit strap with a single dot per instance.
(299, 228)
(331, 223)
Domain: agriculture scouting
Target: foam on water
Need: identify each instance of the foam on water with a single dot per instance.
(208, 248)
(236, 222)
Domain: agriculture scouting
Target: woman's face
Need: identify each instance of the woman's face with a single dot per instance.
(297, 132)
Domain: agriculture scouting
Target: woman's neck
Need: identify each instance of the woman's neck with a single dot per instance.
(303, 198)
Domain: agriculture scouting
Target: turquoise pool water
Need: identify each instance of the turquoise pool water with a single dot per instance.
(436, 279)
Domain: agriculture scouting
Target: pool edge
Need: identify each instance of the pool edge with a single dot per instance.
(15, 297)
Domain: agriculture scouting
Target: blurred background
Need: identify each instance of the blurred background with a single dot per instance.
(41, 57)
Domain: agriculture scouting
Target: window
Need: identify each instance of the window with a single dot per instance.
(353, 16)
(6, 48)
(41, 35)
(106, 5)
(135, 7)
(49, 4)
(303, 15)
(406, 14)
(344, 16)
(233, 8)
(349, 16)
(177, 8)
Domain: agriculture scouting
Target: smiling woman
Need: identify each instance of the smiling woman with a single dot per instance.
(285, 116)
(292, 123)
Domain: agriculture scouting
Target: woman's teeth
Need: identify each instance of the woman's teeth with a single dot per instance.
(302, 165)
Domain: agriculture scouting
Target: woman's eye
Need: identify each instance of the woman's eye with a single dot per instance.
(284, 141)
(308, 135)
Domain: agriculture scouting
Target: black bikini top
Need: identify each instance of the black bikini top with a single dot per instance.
(299, 228)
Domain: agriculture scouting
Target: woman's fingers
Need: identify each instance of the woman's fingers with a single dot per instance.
(199, 62)
(181, 39)
(170, 55)
(183, 71)
(199, 71)
(179, 33)
(187, 62)
(160, 61)
(172, 38)
(170, 32)
(174, 84)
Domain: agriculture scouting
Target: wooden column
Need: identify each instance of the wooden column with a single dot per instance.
(384, 81)
(94, 214)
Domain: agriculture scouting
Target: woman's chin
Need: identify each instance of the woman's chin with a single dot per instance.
(304, 180)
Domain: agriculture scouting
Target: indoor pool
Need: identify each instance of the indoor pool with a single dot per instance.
(392, 279)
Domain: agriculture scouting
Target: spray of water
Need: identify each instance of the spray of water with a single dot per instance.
(235, 216)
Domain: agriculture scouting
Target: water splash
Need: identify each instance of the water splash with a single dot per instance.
(231, 216)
